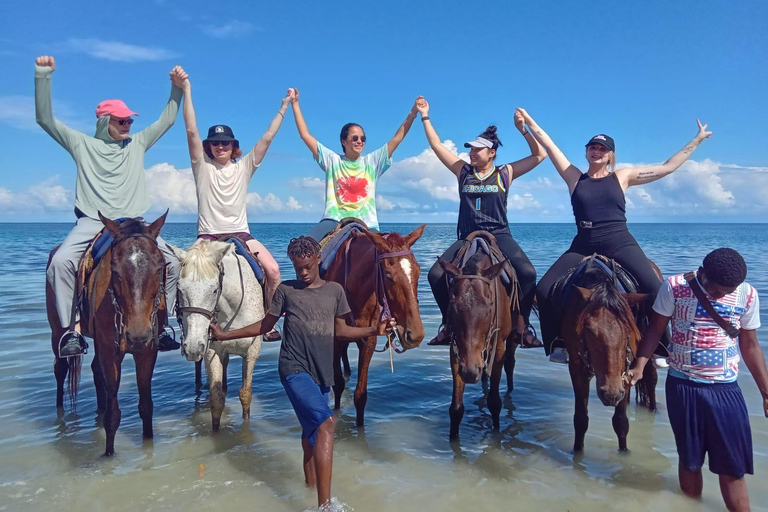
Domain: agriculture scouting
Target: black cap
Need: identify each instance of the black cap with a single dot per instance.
(220, 132)
(604, 140)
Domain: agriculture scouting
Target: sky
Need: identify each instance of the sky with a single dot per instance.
(642, 72)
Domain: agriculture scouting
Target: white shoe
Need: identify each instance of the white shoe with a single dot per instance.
(660, 362)
(558, 355)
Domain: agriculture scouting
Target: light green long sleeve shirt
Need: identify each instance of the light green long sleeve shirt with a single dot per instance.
(110, 173)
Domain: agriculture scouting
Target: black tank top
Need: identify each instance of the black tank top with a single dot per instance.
(598, 200)
(482, 202)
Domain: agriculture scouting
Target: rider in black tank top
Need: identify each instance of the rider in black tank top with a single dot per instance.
(482, 201)
(598, 200)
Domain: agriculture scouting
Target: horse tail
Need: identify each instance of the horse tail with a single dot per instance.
(73, 379)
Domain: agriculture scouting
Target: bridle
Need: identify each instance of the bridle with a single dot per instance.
(493, 329)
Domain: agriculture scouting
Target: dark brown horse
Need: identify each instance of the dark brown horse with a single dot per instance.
(124, 312)
(601, 336)
(480, 319)
(378, 272)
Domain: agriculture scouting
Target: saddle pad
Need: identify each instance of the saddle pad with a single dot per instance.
(103, 243)
(243, 251)
(564, 286)
(331, 247)
(480, 244)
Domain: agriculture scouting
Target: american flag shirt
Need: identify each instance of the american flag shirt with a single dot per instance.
(701, 350)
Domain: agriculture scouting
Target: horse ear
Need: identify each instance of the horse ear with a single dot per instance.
(379, 241)
(449, 267)
(180, 253)
(154, 229)
(493, 271)
(639, 301)
(415, 235)
(112, 226)
(585, 293)
(220, 249)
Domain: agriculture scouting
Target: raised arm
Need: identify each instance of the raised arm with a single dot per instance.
(451, 161)
(190, 122)
(301, 125)
(152, 133)
(346, 332)
(402, 131)
(263, 145)
(567, 171)
(538, 154)
(629, 177)
(61, 133)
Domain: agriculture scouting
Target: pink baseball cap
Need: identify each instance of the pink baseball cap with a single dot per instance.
(116, 108)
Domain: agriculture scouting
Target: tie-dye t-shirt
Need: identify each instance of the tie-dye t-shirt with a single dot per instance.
(350, 185)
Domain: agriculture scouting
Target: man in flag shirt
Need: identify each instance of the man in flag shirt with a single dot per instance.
(706, 408)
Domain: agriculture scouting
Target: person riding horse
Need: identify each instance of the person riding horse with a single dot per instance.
(110, 181)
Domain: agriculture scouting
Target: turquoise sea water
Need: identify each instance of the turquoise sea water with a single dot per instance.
(401, 460)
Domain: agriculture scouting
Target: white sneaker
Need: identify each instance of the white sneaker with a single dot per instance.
(660, 362)
(559, 355)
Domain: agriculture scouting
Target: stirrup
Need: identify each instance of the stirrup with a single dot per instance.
(535, 341)
(71, 335)
(443, 330)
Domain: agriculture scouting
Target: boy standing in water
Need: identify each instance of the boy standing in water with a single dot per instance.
(706, 409)
(315, 312)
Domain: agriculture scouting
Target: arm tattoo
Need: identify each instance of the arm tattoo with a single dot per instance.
(538, 132)
(688, 150)
(646, 175)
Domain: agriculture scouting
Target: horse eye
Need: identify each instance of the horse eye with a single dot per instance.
(389, 275)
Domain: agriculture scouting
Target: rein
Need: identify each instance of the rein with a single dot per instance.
(493, 330)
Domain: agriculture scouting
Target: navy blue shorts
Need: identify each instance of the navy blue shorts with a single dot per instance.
(309, 401)
(710, 419)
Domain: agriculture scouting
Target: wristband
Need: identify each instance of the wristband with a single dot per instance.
(525, 132)
(281, 114)
(424, 118)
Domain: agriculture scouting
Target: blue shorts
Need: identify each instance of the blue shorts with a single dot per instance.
(713, 419)
(309, 401)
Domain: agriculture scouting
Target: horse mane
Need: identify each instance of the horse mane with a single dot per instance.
(199, 263)
(135, 226)
(606, 295)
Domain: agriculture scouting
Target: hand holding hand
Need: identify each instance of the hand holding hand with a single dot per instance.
(519, 121)
(46, 60)
(526, 116)
(385, 327)
(422, 106)
(703, 133)
(179, 77)
(289, 97)
(295, 96)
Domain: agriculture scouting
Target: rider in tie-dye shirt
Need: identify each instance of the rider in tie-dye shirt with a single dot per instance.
(350, 179)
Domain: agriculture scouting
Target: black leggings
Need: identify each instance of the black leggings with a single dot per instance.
(526, 274)
(614, 243)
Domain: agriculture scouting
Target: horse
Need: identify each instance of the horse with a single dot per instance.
(124, 313)
(600, 334)
(480, 314)
(380, 276)
(217, 283)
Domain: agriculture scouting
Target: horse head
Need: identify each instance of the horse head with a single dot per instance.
(198, 292)
(400, 279)
(137, 281)
(472, 314)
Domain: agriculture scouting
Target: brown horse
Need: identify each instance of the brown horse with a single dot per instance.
(125, 309)
(480, 319)
(601, 336)
(379, 273)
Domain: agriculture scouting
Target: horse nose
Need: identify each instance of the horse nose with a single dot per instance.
(610, 397)
(414, 337)
(470, 374)
(137, 341)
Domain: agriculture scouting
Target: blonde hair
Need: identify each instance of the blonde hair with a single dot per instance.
(611, 161)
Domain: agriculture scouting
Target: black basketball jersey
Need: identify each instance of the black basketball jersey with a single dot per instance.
(482, 201)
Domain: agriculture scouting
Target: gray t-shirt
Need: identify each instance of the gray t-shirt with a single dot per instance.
(309, 327)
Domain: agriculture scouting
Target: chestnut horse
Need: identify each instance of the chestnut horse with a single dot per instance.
(380, 276)
(480, 319)
(125, 309)
(600, 334)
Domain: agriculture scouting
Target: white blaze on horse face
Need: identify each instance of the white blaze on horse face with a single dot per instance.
(405, 264)
(137, 257)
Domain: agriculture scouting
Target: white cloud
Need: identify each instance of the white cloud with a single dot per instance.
(117, 51)
(232, 29)
(426, 174)
(19, 112)
(45, 197)
(383, 203)
(307, 182)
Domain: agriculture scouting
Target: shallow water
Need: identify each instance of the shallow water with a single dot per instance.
(401, 459)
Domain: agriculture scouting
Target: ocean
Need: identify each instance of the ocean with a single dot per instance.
(401, 460)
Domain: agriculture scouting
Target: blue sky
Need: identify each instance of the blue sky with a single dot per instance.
(640, 71)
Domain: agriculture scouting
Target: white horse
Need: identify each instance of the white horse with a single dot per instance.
(215, 281)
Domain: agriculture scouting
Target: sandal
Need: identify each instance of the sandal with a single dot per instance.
(529, 339)
(442, 338)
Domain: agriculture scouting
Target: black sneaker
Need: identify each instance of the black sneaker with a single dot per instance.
(72, 344)
(166, 342)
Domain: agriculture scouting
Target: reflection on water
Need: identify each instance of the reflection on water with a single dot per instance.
(401, 460)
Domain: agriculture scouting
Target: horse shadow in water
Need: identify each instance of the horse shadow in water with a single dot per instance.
(215, 282)
(600, 334)
(124, 312)
(480, 318)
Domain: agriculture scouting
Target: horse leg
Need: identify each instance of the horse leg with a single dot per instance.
(345, 361)
(198, 377)
(98, 384)
(621, 422)
(224, 366)
(145, 366)
(509, 362)
(111, 369)
(339, 380)
(214, 369)
(494, 399)
(246, 390)
(456, 410)
(580, 383)
(361, 391)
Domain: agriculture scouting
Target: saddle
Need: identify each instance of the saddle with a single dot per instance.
(563, 288)
(485, 243)
(253, 261)
(332, 242)
(90, 259)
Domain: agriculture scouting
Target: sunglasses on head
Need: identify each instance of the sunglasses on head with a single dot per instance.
(361, 138)
(224, 143)
(123, 122)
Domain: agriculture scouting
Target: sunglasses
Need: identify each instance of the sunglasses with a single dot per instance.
(123, 122)
(355, 138)
(225, 143)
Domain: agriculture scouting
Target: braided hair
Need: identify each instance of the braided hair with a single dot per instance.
(303, 247)
(725, 266)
